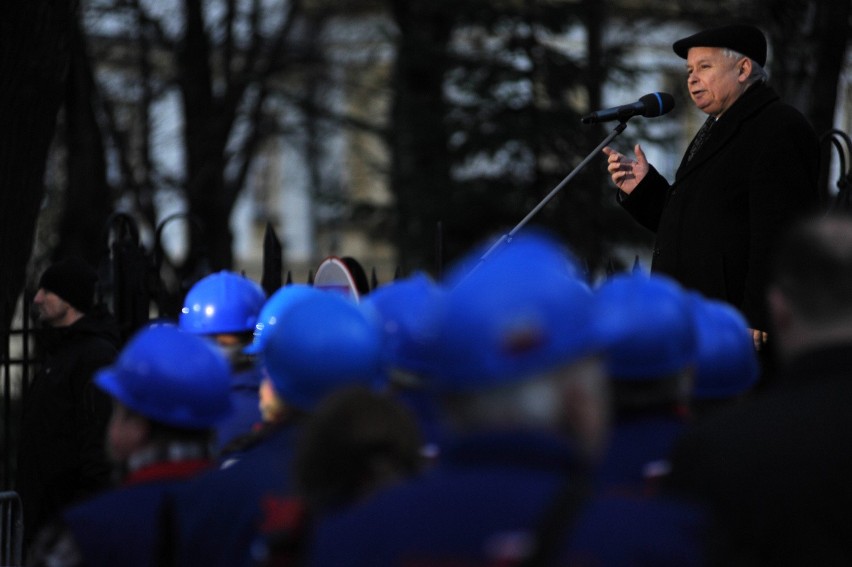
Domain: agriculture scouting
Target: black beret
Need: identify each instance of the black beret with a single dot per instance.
(742, 38)
(72, 279)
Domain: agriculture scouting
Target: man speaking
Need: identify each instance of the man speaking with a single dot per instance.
(751, 169)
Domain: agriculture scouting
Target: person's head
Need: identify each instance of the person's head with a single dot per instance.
(359, 276)
(651, 337)
(721, 63)
(223, 307)
(405, 311)
(166, 385)
(272, 409)
(66, 291)
(272, 310)
(321, 343)
(516, 347)
(808, 294)
(356, 442)
(727, 366)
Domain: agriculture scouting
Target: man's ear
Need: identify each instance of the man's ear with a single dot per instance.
(744, 68)
(128, 432)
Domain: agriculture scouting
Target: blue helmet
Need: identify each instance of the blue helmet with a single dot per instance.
(171, 377)
(647, 322)
(727, 361)
(223, 302)
(321, 343)
(519, 311)
(271, 312)
(406, 313)
(536, 239)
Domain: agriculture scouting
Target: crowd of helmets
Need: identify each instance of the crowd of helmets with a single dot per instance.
(491, 319)
(499, 316)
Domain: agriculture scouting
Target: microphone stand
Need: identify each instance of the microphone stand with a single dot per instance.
(622, 124)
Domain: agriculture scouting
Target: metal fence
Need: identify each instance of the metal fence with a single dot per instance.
(17, 361)
(11, 530)
(842, 143)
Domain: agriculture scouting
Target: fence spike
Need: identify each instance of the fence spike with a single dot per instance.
(637, 266)
(273, 262)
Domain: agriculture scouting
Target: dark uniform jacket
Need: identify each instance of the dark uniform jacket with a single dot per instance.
(637, 453)
(127, 526)
(222, 514)
(61, 456)
(717, 223)
(245, 385)
(484, 502)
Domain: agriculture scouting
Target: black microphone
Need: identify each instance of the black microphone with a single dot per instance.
(653, 104)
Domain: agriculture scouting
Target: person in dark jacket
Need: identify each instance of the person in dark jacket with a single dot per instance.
(727, 367)
(776, 467)
(223, 308)
(61, 456)
(749, 172)
(651, 368)
(169, 389)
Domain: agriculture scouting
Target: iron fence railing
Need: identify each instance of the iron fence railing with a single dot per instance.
(11, 530)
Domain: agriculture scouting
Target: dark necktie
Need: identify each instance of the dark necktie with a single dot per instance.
(701, 136)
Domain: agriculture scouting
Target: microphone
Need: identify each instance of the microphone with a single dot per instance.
(653, 104)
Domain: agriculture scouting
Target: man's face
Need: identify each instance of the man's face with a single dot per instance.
(52, 310)
(127, 433)
(271, 406)
(714, 80)
(231, 346)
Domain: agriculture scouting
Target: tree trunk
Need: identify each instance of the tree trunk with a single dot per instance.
(88, 202)
(205, 138)
(34, 54)
(420, 176)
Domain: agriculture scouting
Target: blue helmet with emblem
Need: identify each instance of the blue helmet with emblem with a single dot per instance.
(322, 342)
(223, 302)
(518, 309)
(648, 324)
(171, 377)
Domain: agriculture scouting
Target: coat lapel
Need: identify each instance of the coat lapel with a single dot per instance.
(753, 100)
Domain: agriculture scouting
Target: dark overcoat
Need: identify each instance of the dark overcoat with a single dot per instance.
(61, 453)
(776, 467)
(716, 224)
